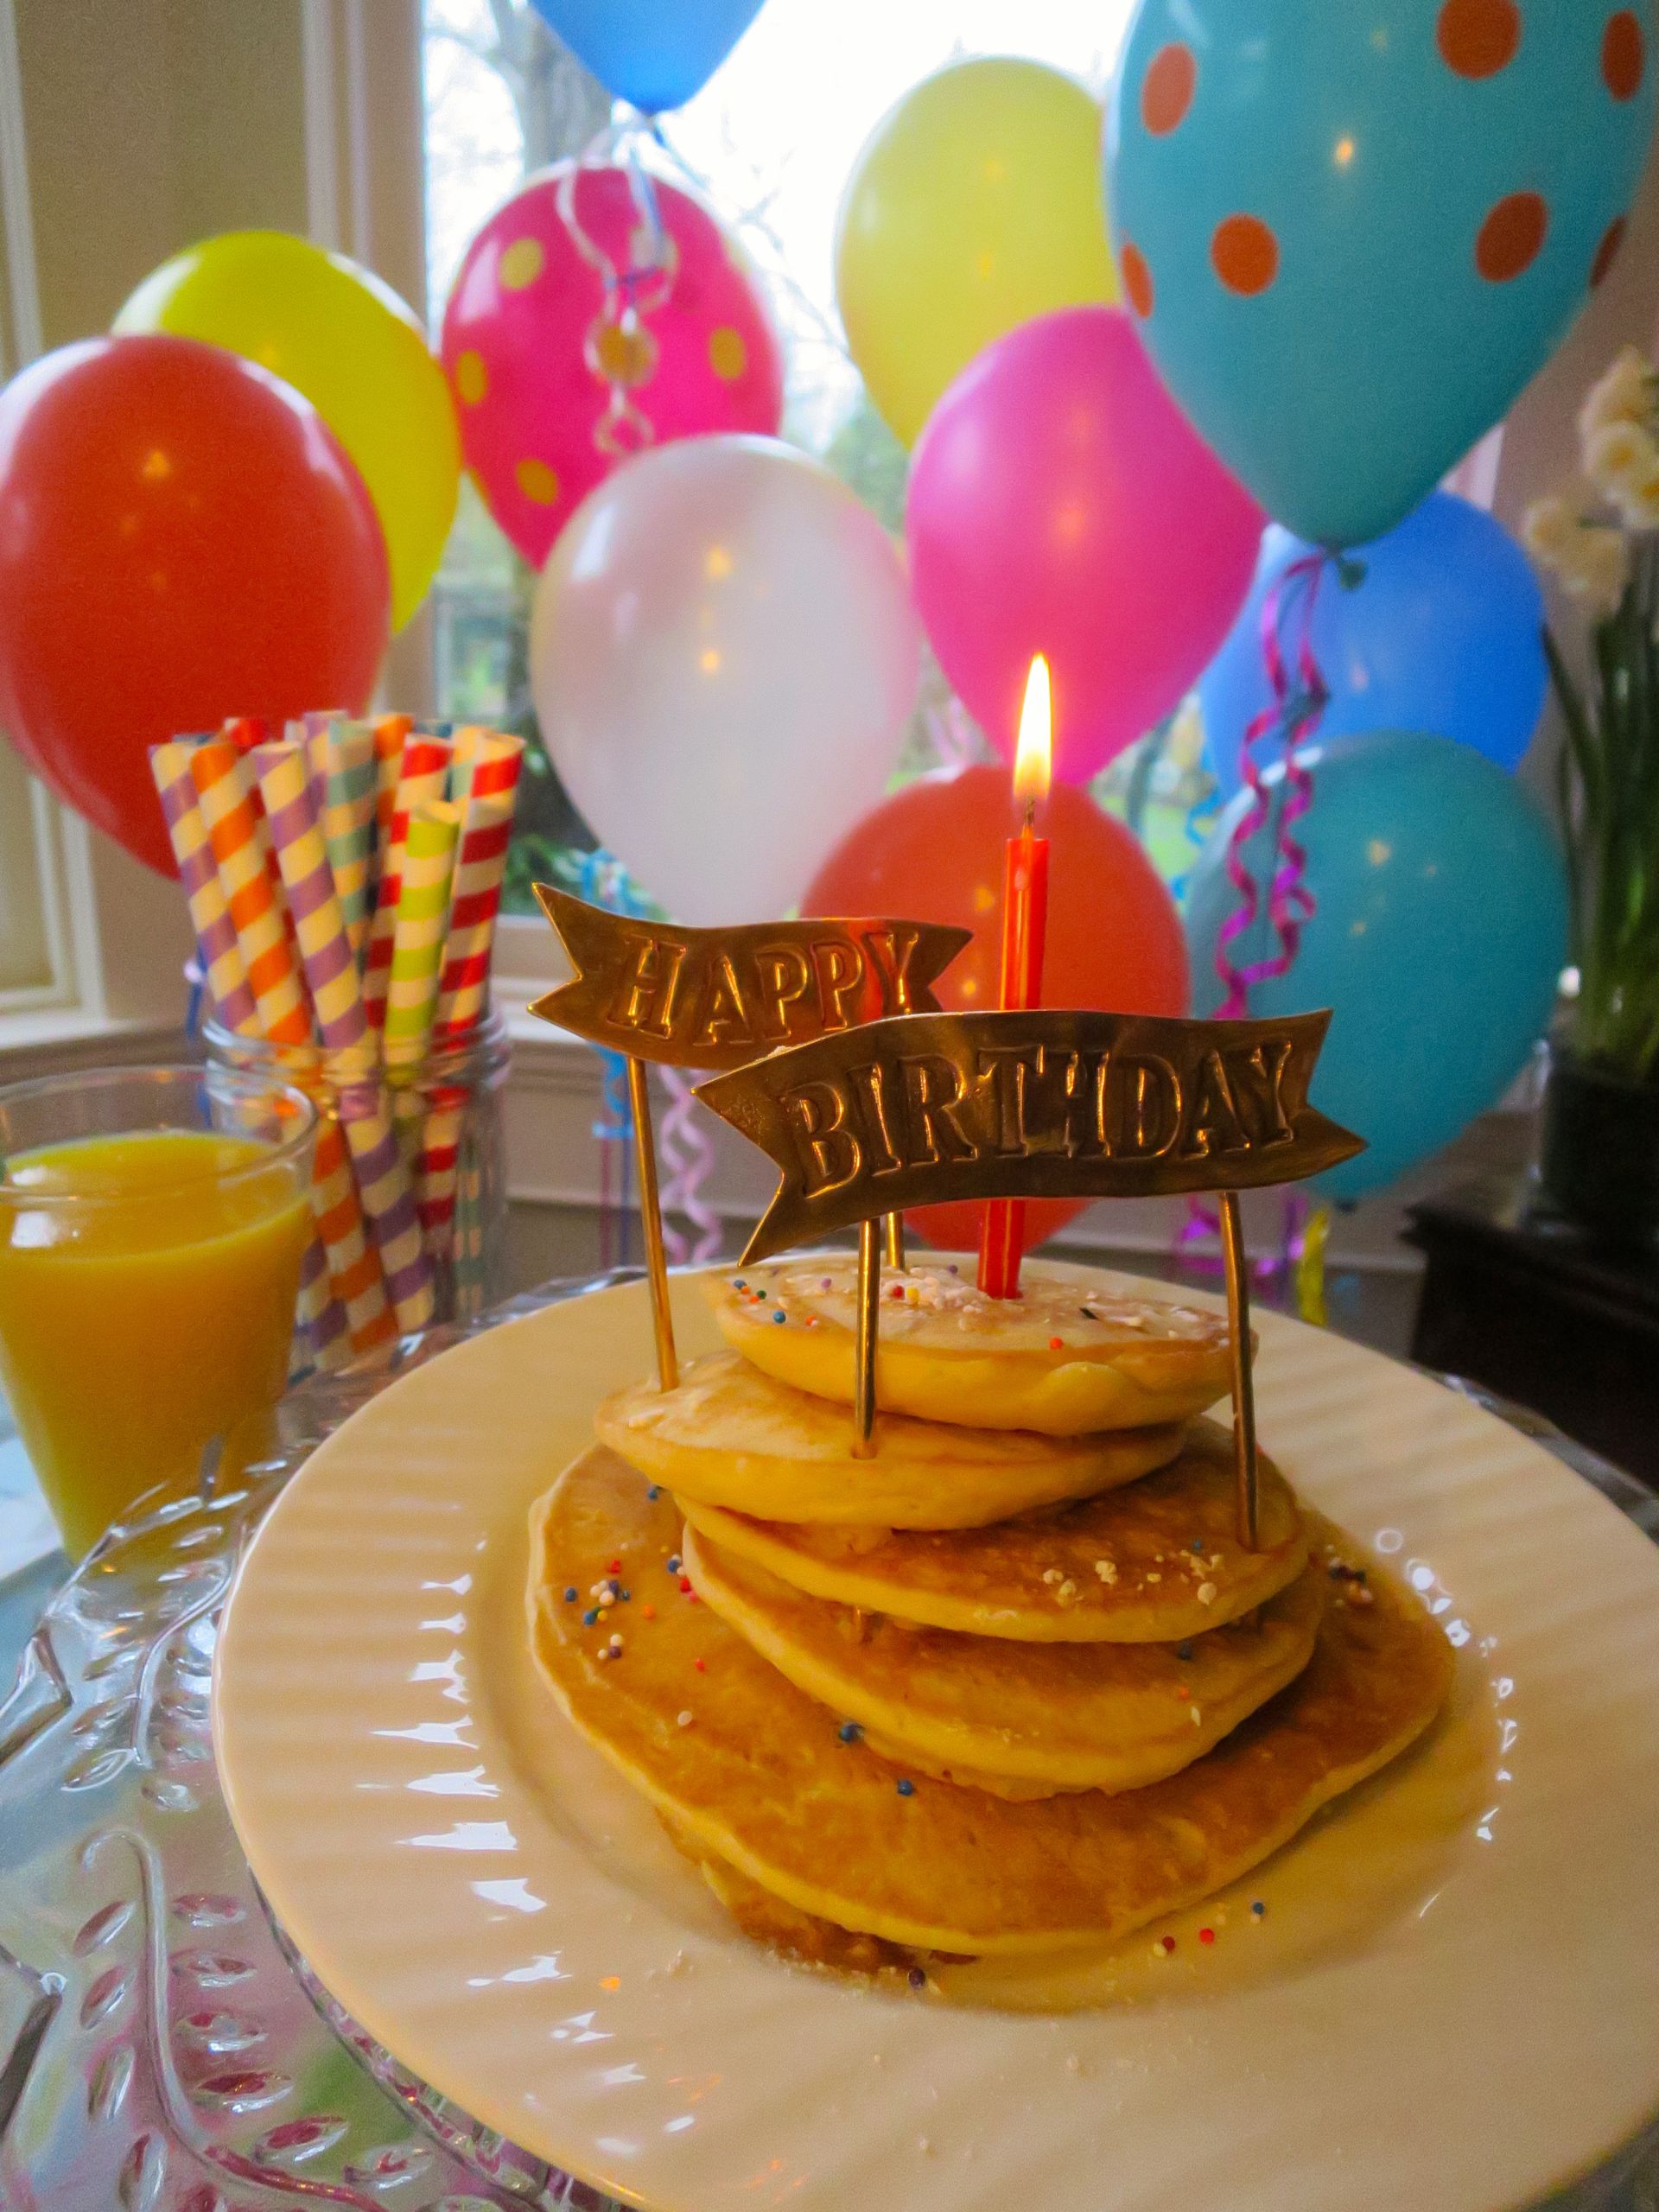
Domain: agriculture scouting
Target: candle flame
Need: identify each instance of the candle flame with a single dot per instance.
(1034, 754)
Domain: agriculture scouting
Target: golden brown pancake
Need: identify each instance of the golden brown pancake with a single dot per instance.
(731, 1436)
(1063, 1358)
(1022, 1719)
(1152, 1563)
(752, 1771)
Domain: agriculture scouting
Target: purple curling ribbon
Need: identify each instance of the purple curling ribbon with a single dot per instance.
(1295, 714)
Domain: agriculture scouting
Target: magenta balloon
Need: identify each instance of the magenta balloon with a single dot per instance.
(525, 309)
(1061, 504)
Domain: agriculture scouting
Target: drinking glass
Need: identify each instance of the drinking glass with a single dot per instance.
(152, 1224)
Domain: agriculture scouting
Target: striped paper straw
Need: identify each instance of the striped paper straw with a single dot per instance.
(319, 1313)
(210, 913)
(245, 731)
(416, 969)
(423, 781)
(353, 1263)
(236, 832)
(241, 846)
(246, 866)
(390, 731)
(492, 765)
(336, 995)
(347, 787)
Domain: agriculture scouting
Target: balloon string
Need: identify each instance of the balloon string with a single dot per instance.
(693, 1155)
(619, 351)
(1195, 828)
(1198, 1241)
(603, 881)
(1296, 715)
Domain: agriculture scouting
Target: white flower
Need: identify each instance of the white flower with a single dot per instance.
(1626, 394)
(1638, 503)
(1595, 567)
(1619, 458)
(1547, 529)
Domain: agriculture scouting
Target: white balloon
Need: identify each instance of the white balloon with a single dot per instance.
(723, 655)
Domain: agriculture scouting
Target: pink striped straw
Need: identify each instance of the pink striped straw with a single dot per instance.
(336, 995)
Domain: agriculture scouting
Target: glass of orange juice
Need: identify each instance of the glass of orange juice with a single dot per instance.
(152, 1224)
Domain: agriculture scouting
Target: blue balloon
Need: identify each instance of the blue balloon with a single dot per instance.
(653, 54)
(1439, 934)
(1353, 232)
(1440, 628)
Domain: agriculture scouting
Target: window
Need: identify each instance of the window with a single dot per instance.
(771, 140)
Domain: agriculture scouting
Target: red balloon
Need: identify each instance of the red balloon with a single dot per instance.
(934, 852)
(181, 538)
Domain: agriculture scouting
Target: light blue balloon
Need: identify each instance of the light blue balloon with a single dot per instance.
(1361, 350)
(1438, 935)
(1439, 628)
(654, 53)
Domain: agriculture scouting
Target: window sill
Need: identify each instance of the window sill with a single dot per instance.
(53, 1040)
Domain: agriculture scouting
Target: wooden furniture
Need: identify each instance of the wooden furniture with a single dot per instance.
(1518, 1300)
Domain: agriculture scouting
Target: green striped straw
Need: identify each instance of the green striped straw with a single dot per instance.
(419, 928)
(347, 792)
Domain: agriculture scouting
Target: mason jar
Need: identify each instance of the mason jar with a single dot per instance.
(409, 1194)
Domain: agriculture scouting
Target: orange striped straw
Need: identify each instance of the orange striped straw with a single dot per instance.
(390, 731)
(241, 850)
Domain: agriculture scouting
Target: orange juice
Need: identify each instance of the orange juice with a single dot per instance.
(147, 1289)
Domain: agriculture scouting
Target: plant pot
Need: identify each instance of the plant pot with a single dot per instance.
(1599, 1156)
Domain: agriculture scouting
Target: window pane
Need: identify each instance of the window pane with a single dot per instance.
(25, 956)
(770, 140)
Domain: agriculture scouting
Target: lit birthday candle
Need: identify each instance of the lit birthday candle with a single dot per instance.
(1025, 918)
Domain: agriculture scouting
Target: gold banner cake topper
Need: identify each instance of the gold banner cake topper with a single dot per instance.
(715, 998)
(1061, 1103)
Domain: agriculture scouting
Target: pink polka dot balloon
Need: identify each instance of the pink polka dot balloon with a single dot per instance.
(525, 317)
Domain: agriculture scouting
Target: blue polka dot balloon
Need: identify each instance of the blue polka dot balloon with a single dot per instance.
(1352, 229)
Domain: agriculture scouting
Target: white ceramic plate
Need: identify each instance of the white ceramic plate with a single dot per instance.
(1452, 2000)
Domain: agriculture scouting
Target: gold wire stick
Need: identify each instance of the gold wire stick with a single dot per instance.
(895, 1227)
(1238, 1316)
(651, 1220)
(869, 1323)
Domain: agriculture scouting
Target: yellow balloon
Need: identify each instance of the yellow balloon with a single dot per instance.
(975, 205)
(350, 344)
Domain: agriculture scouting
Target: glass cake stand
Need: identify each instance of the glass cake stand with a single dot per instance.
(162, 2047)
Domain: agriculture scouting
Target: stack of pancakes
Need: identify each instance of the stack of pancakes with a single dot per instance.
(1012, 1682)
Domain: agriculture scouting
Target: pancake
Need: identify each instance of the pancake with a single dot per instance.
(1059, 1358)
(1149, 1563)
(1022, 1719)
(752, 1773)
(730, 1436)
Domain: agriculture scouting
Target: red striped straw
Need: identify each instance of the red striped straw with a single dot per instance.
(492, 763)
(422, 780)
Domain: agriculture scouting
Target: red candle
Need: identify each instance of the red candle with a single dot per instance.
(1024, 920)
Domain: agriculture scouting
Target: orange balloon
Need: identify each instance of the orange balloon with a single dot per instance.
(936, 851)
(181, 538)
